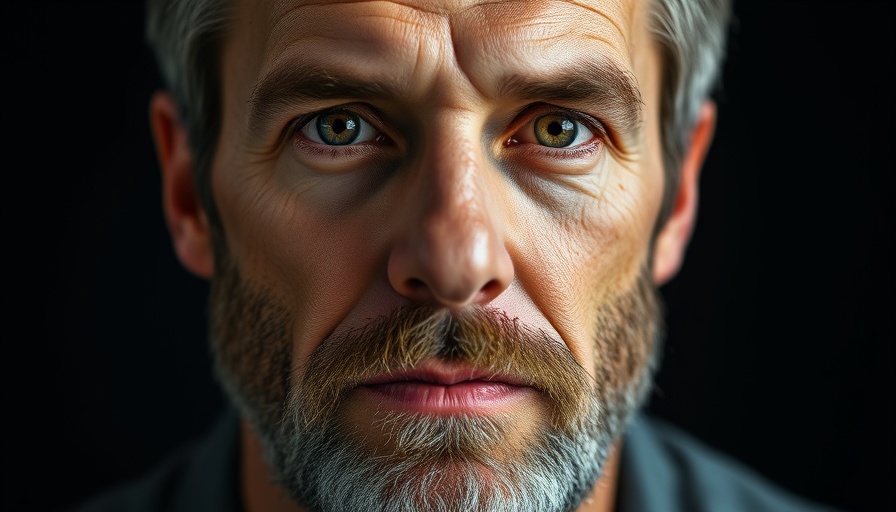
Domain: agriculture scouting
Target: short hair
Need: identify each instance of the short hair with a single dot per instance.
(186, 38)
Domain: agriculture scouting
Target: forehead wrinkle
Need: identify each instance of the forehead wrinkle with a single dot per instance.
(524, 14)
(526, 33)
(417, 7)
(398, 12)
(517, 20)
(602, 14)
(414, 16)
(604, 40)
(406, 5)
(392, 41)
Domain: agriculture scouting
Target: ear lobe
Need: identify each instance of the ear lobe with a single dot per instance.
(673, 239)
(184, 215)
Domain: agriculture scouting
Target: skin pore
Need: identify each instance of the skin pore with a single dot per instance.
(447, 197)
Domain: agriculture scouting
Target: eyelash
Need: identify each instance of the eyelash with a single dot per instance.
(302, 143)
(526, 117)
(532, 113)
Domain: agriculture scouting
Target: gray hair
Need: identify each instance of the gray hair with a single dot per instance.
(692, 36)
(186, 37)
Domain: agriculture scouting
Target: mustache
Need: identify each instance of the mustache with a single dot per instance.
(481, 337)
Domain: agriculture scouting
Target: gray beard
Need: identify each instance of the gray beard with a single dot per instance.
(329, 470)
(457, 463)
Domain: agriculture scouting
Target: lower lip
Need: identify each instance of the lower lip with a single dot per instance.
(468, 397)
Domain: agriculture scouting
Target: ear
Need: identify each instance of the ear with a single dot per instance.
(184, 215)
(673, 239)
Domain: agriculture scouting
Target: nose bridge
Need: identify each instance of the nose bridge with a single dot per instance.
(451, 250)
(453, 177)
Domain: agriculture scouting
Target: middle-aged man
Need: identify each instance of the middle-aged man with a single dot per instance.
(434, 231)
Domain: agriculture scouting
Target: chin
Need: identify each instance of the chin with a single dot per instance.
(419, 462)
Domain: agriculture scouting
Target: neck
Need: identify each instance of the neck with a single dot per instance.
(261, 493)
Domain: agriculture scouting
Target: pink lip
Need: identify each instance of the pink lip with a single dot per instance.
(439, 388)
(446, 374)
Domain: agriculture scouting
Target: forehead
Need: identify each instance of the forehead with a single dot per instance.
(418, 42)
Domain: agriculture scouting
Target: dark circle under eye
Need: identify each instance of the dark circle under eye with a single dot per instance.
(338, 128)
(555, 130)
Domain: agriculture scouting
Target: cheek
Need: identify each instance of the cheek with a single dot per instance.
(585, 249)
(286, 236)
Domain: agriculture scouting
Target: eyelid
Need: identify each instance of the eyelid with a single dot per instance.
(367, 114)
(532, 112)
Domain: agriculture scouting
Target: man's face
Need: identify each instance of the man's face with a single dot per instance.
(437, 225)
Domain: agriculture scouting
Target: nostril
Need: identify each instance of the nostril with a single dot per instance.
(416, 286)
(492, 289)
(418, 289)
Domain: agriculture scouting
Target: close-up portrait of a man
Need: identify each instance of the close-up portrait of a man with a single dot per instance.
(434, 233)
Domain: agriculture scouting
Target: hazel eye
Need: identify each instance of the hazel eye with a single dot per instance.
(560, 131)
(339, 128)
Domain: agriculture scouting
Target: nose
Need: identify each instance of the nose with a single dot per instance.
(450, 250)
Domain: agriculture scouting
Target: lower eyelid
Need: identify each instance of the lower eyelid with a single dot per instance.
(594, 143)
(582, 150)
(338, 159)
(585, 159)
(334, 151)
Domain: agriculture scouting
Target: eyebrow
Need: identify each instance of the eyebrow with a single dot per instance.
(602, 84)
(291, 85)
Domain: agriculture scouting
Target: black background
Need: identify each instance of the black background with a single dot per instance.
(781, 322)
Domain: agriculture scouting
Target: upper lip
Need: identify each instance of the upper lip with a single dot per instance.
(446, 374)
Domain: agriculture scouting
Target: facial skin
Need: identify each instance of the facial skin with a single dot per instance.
(448, 203)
